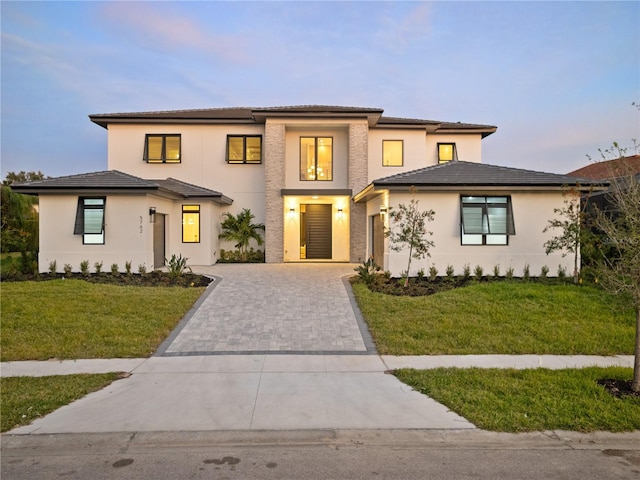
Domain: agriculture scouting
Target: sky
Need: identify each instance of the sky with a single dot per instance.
(558, 79)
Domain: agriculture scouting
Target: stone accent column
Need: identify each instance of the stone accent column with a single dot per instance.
(358, 162)
(274, 169)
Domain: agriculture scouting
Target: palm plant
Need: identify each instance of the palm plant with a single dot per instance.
(241, 229)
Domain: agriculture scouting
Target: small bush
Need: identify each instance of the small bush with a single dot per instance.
(115, 269)
(433, 272)
(98, 267)
(526, 273)
(496, 271)
(544, 271)
(509, 273)
(562, 272)
(478, 272)
(420, 274)
(67, 269)
(367, 272)
(127, 267)
(53, 267)
(466, 271)
(450, 272)
(177, 265)
(142, 269)
(84, 267)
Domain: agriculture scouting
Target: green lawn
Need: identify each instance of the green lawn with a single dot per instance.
(500, 318)
(530, 400)
(27, 398)
(76, 319)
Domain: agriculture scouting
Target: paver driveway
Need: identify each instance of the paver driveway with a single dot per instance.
(273, 308)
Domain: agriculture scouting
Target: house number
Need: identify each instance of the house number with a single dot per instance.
(140, 224)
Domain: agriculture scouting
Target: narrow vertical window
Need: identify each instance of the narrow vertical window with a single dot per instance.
(162, 148)
(191, 224)
(392, 155)
(316, 158)
(90, 220)
(447, 152)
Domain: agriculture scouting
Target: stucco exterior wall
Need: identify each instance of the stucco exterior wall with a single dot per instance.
(531, 213)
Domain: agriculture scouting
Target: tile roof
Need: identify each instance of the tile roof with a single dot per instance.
(460, 173)
(608, 169)
(114, 180)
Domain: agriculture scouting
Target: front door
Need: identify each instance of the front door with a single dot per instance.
(158, 241)
(377, 240)
(315, 231)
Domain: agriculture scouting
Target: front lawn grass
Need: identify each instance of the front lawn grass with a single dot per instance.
(530, 400)
(505, 317)
(70, 319)
(27, 398)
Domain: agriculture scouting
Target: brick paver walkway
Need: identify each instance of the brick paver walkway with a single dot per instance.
(273, 308)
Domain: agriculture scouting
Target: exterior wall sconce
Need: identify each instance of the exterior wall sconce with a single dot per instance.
(340, 213)
(152, 214)
(383, 212)
(292, 212)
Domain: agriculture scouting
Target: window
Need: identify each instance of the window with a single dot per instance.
(316, 158)
(486, 220)
(90, 220)
(447, 152)
(244, 149)
(162, 148)
(191, 224)
(392, 155)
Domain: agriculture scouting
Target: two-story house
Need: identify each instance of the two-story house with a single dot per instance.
(322, 179)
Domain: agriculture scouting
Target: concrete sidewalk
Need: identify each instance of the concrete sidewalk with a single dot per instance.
(264, 392)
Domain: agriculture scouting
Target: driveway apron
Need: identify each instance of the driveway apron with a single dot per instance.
(273, 308)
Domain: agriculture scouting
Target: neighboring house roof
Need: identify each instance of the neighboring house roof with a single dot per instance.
(115, 181)
(470, 174)
(253, 115)
(609, 169)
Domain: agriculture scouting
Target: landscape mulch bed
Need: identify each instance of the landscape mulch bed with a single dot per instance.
(151, 279)
(618, 388)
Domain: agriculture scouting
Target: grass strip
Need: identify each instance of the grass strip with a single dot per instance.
(75, 319)
(506, 400)
(27, 398)
(500, 318)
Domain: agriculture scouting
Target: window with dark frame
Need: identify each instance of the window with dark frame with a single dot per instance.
(316, 158)
(90, 220)
(392, 153)
(190, 223)
(447, 152)
(162, 148)
(486, 220)
(244, 149)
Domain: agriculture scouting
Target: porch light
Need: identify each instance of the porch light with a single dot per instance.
(383, 212)
(152, 214)
(340, 213)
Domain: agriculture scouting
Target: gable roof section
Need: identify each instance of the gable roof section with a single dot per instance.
(115, 181)
(254, 115)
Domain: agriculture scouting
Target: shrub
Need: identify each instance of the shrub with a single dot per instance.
(67, 269)
(98, 266)
(496, 271)
(450, 271)
(509, 273)
(115, 269)
(53, 267)
(177, 265)
(562, 272)
(368, 271)
(84, 267)
(142, 269)
(477, 272)
(466, 271)
(433, 272)
(526, 272)
(544, 271)
(127, 267)
(420, 274)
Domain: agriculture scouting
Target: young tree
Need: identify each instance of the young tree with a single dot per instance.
(409, 230)
(241, 230)
(569, 222)
(619, 267)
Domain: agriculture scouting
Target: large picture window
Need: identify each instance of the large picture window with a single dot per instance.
(316, 158)
(486, 220)
(392, 155)
(90, 220)
(244, 149)
(162, 148)
(191, 224)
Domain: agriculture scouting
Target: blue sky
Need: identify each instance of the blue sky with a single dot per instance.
(556, 78)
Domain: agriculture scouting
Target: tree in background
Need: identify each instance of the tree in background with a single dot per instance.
(242, 230)
(409, 230)
(22, 177)
(619, 225)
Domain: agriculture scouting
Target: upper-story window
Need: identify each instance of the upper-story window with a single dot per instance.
(392, 153)
(447, 152)
(90, 220)
(486, 220)
(316, 158)
(160, 148)
(244, 148)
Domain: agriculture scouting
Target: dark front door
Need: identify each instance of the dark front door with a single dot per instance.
(158, 241)
(315, 221)
(377, 240)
